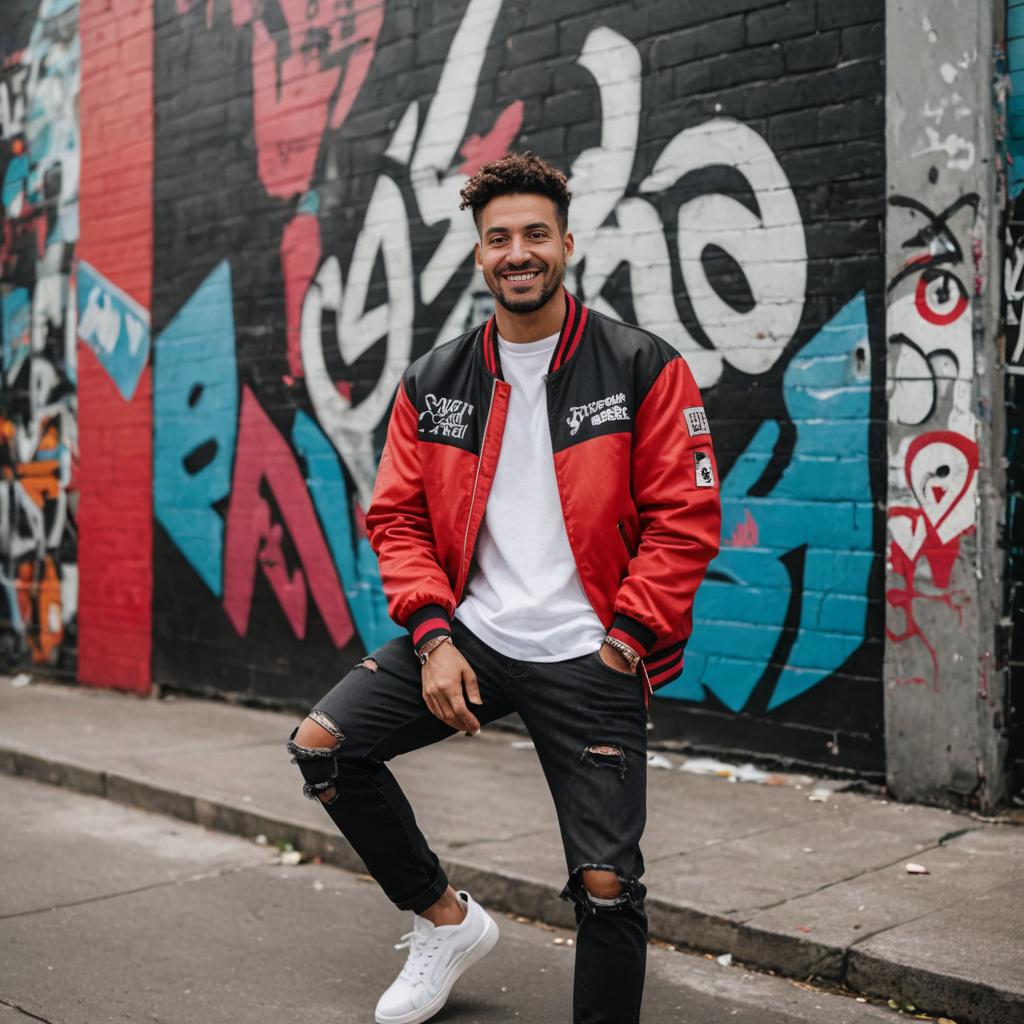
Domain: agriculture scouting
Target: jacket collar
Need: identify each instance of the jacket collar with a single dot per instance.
(569, 337)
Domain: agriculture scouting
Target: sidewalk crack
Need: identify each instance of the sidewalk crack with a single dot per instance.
(919, 917)
(721, 842)
(27, 1013)
(460, 844)
(201, 876)
(827, 885)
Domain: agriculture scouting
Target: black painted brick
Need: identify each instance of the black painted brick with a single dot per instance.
(394, 58)
(399, 23)
(837, 13)
(628, 21)
(689, 44)
(432, 45)
(759, 63)
(670, 14)
(862, 41)
(860, 118)
(535, 44)
(812, 52)
(783, 21)
(523, 83)
(571, 108)
(794, 130)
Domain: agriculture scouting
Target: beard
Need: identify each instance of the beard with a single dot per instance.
(527, 305)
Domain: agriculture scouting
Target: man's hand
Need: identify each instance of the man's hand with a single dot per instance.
(444, 675)
(615, 659)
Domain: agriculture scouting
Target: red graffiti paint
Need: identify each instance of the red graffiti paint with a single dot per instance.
(479, 149)
(940, 468)
(300, 256)
(305, 76)
(745, 534)
(939, 298)
(265, 464)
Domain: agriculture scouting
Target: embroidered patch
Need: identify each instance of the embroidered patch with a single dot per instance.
(446, 417)
(703, 473)
(696, 420)
(604, 409)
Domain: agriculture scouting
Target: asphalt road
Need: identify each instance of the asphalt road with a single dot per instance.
(113, 914)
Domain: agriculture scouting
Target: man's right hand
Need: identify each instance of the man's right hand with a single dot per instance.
(444, 675)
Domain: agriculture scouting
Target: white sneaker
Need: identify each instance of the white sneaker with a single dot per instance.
(437, 957)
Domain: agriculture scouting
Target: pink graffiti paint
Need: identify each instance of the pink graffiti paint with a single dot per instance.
(479, 149)
(304, 79)
(300, 256)
(263, 459)
(940, 468)
(745, 534)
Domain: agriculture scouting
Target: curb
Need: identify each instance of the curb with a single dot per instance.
(964, 1000)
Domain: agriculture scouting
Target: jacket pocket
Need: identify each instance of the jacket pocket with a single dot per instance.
(624, 537)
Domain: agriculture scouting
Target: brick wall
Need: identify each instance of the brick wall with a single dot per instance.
(728, 172)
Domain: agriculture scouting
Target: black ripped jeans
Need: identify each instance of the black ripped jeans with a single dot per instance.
(600, 796)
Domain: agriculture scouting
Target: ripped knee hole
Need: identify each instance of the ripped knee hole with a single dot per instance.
(317, 763)
(630, 890)
(605, 755)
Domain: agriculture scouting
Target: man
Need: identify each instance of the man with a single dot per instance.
(545, 509)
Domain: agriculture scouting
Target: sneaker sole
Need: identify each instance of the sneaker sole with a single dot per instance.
(476, 952)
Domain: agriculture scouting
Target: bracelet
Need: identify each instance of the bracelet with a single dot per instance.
(625, 650)
(423, 652)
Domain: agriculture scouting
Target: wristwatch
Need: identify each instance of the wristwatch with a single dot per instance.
(423, 652)
(632, 658)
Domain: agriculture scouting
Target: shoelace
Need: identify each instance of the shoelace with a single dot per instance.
(418, 955)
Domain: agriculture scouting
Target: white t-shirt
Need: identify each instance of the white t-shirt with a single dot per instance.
(524, 598)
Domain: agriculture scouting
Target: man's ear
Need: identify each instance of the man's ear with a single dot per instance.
(570, 245)
(476, 256)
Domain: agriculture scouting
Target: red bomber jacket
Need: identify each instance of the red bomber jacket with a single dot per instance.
(635, 469)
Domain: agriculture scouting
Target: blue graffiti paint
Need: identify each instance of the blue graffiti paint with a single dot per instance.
(15, 178)
(114, 326)
(354, 559)
(822, 504)
(1015, 101)
(195, 404)
(16, 310)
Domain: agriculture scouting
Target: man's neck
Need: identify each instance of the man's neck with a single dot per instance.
(541, 323)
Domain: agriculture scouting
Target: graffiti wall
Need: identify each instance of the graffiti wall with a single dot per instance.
(39, 174)
(201, 345)
(1013, 288)
(728, 175)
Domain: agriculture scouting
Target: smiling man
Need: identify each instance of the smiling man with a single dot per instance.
(545, 509)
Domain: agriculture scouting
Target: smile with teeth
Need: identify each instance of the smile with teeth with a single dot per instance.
(528, 275)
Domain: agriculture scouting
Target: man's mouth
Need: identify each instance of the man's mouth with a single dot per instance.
(522, 276)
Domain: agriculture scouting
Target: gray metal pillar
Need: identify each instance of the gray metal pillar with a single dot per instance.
(943, 694)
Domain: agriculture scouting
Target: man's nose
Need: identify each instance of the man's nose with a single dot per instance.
(520, 252)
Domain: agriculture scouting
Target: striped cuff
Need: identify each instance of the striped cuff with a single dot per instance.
(427, 622)
(629, 631)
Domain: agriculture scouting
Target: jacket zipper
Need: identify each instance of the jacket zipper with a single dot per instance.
(472, 496)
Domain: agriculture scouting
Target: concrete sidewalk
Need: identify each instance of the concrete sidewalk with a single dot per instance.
(806, 887)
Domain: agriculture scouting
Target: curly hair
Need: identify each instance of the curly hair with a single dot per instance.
(517, 173)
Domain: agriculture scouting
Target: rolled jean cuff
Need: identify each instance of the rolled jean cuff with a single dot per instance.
(429, 896)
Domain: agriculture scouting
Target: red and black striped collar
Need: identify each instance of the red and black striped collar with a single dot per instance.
(568, 337)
